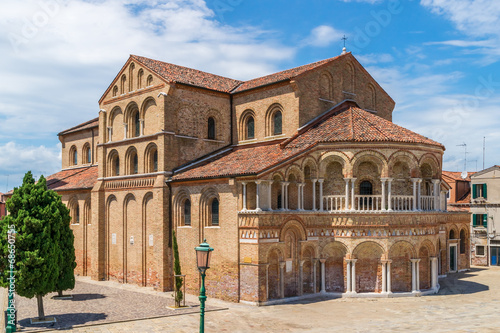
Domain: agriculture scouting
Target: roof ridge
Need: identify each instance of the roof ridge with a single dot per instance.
(79, 125)
(374, 125)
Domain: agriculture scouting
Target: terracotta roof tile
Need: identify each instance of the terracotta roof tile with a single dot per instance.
(88, 124)
(347, 125)
(281, 76)
(73, 179)
(456, 175)
(185, 75)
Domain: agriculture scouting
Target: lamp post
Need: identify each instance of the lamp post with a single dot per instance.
(203, 261)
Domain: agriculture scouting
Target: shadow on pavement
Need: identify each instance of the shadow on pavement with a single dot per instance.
(454, 283)
(85, 297)
(64, 321)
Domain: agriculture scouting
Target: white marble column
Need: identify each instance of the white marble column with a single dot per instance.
(141, 127)
(300, 199)
(384, 276)
(353, 276)
(110, 133)
(314, 192)
(346, 206)
(436, 193)
(414, 183)
(267, 281)
(257, 195)
(419, 190)
(389, 276)
(301, 277)
(125, 129)
(323, 275)
(348, 272)
(244, 184)
(282, 279)
(389, 194)
(269, 195)
(320, 181)
(285, 196)
(434, 275)
(283, 185)
(353, 203)
(383, 180)
(415, 279)
(315, 265)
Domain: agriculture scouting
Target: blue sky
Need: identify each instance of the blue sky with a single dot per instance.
(438, 59)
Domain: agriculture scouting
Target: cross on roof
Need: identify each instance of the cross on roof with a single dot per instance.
(344, 39)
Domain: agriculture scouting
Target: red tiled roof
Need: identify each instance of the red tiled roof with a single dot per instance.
(356, 125)
(456, 175)
(349, 124)
(281, 76)
(73, 179)
(465, 199)
(185, 75)
(88, 124)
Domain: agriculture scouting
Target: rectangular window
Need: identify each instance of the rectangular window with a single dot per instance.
(480, 220)
(479, 191)
(479, 250)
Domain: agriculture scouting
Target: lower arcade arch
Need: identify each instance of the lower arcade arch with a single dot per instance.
(334, 253)
(400, 254)
(368, 269)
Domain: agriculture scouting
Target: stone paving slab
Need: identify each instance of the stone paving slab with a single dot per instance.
(95, 303)
(467, 302)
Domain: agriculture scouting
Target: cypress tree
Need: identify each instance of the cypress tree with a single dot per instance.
(66, 278)
(178, 296)
(37, 215)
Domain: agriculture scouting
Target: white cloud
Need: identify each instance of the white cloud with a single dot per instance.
(476, 19)
(373, 58)
(58, 57)
(16, 159)
(323, 36)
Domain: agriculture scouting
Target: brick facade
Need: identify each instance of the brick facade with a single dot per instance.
(294, 221)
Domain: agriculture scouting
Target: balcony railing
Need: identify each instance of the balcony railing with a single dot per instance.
(427, 202)
(402, 202)
(334, 203)
(373, 203)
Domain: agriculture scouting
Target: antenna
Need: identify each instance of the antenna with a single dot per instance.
(465, 154)
(484, 149)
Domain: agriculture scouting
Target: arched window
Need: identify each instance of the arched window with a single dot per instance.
(131, 77)
(73, 156)
(365, 188)
(115, 166)
(140, 76)
(122, 84)
(137, 125)
(87, 154)
(149, 81)
(187, 212)
(115, 91)
(155, 161)
(250, 128)
(211, 128)
(214, 218)
(462, 241)
(77, 214)
(277, 123)
(452, 234)
(135, 164)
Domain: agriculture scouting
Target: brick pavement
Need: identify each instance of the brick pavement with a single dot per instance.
(467, 302)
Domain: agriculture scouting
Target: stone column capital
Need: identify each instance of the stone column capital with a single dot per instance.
(285, 183)
(384, 179)
(322, 261)
(258, 182)
(414, 180)
(301, 262)
(415, 260)
(436, 181)
(282, 264)
(320, 180)
(314, 180)
(243, 183)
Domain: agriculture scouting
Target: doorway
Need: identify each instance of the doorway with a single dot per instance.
(453, 258)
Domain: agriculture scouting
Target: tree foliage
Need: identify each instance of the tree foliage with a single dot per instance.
(44, 257)
(178, 296)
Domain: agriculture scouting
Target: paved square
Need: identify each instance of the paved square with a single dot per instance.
(467, 302)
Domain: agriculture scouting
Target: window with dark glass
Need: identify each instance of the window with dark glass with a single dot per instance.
(135, 164)
(77, 214)
(480, 220)
(75, 157)
(277, 122)
(89, 155)
(155, 161)
(215, 212)
(211, 128)
(250, 128)
(137, 125)
(462, 241)
(279, 201)
(479, 250)
(365, 188)
(117, 166)
(187, 212)
(452, 234)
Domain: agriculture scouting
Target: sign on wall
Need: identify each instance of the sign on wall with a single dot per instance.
(113, 238)
(150, 240)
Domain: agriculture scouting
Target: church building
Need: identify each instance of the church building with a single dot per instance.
(299, 180)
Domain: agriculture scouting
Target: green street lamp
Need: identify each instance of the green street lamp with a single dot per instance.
(203, 261)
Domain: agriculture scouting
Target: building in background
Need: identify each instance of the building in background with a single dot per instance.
(485, 208)
(459, 195)
(298, 179)
(3, 209)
